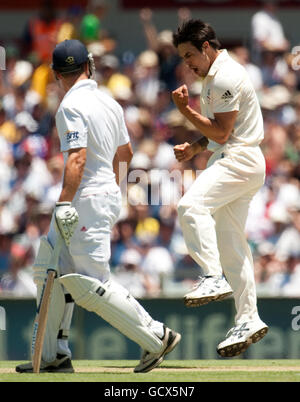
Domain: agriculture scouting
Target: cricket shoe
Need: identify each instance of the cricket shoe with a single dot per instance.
(151, 360)
(239, 338)
(209, 288)
(62, 364)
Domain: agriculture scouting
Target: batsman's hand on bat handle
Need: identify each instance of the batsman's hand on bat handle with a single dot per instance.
(66, 218)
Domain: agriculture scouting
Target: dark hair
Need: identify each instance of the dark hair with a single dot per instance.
(197, 32)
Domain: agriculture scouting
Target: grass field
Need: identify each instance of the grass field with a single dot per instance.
(234, 370)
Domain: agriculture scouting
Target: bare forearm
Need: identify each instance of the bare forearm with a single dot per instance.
(72, 177)
(151, 36)
(70, 186)
(120, 170)
(208, 127)
(121, 162)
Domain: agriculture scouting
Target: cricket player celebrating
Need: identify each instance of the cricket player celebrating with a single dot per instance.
(213, 212)
(94, 140)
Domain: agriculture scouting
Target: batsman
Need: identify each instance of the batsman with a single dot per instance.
(94, 141)
(213, 211)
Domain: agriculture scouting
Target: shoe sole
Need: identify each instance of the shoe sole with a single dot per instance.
(70, 370)
(168, 349)
(197, 302)
(65, 367)
(240, 347)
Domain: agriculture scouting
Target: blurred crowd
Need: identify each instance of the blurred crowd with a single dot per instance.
(149, 255)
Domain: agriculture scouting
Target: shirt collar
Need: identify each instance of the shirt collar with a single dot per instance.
(83, 83)
(223, 56)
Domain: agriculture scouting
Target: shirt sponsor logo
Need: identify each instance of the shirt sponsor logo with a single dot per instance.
(208, 96)
(72, 136)
(227, 95)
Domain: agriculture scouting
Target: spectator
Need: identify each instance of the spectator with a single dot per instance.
(273, 68)
(242, 55)
(269, 272)
(130, 275)
(123, 241)
(146, 78)
(291, 286)
(6, 239)
(267, 31)
(147, 227)
(91, 27)
(157, 264)
(31, 162)
(18, 280)
(40, 35)
(55, 166)
(70, 24)
(288, 244)
(162, 44)
(118, 84)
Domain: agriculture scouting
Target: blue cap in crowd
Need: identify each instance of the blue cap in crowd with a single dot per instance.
(69, 55)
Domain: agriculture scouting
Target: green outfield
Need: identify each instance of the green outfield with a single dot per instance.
(170, 371)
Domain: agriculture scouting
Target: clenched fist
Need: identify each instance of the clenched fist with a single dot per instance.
(184, 152)
(181, 97)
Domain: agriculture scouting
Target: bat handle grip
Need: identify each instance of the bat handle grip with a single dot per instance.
(52, 270)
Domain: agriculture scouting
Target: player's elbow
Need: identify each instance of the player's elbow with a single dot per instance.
(223, 138)
(130, 154)
(225, 126)
(125, 153)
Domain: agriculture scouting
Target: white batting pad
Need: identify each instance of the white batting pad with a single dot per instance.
(115, 305)
(62, 340)
(55, 316)
(42, 261)
(57, 303)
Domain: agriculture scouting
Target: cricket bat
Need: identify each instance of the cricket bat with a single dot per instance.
(39, 326)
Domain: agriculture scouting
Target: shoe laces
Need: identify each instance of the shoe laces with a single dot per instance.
(238, 331)
(201, 281)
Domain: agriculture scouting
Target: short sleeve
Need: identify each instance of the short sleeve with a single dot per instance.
(72, 129)
(123, 132)
(226, 95)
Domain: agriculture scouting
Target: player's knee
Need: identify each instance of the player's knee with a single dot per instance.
(188, 209)
(83, 289)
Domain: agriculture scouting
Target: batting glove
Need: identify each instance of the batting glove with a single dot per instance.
(67, 219)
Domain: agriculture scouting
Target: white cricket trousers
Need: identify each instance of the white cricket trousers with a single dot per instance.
(89, 254)
(89, 250)
(212, 215)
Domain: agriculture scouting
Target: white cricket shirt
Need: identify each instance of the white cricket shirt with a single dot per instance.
(226, 88)
(89, 118)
